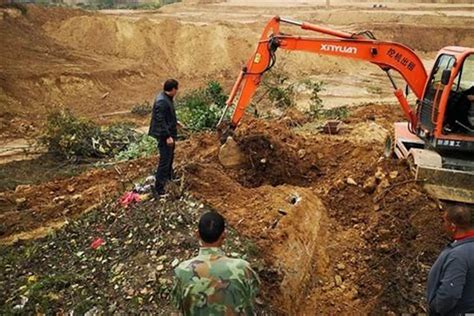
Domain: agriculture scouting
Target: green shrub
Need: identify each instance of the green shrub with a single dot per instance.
(315, 102)
(279, 92)
(75, 138)
(200, 109)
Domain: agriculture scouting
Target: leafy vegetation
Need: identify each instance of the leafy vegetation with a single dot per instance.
(279, 92)
(144, 146)
(315, 102)
(75, 138)
(200, 109)
(316, 108)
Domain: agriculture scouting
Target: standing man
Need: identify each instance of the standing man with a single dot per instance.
(451, 279)
(163, 127)
(211, 283)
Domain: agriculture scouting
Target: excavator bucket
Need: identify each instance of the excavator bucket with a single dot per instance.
(443, 177)
(448, 184)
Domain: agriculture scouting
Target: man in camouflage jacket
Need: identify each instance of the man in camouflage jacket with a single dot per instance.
(211, 283)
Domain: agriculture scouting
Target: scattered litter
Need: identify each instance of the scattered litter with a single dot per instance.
(351, 181)
(22, 304)
(97, 243)
(92, 312)
(146, 186)
(175, 262)
(129, 197)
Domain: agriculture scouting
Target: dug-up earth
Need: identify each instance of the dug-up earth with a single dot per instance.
(329, 224)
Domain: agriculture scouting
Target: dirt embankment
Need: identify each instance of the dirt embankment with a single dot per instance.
(96, 63)
(426, 38)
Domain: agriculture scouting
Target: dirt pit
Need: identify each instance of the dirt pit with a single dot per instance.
(274, 156)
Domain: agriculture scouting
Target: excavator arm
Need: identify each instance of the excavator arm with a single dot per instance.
(364, 46)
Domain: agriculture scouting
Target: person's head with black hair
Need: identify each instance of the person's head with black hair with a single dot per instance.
(171, 87)
(460, 218)
(211, 229)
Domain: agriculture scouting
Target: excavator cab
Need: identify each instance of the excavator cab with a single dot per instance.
(446, 112)
(445, 124)
(459, 115)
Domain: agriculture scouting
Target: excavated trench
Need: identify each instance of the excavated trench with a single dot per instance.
(328, 215)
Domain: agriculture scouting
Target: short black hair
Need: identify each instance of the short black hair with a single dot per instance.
(462, 215)
(211, 226)
(170, 84)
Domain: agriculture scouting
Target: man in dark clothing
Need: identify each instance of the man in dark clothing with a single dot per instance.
(450, 289)
(163, 127)
(457, 111)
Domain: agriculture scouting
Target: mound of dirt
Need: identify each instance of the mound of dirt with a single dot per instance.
(163, 45)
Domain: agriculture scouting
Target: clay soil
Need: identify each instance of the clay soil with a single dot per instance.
(371, 246)
(334, 243)
(341, 229)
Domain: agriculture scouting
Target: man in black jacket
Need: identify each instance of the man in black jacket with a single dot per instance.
(451, 279)
(163, 127)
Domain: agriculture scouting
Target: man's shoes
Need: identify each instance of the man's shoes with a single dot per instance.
(159, 194)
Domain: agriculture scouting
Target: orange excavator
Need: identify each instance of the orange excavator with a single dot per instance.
(438, 137)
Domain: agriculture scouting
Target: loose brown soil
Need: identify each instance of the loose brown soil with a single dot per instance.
(341, 230)
(335, 246)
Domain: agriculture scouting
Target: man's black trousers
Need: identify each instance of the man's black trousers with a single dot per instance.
(164, 172)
